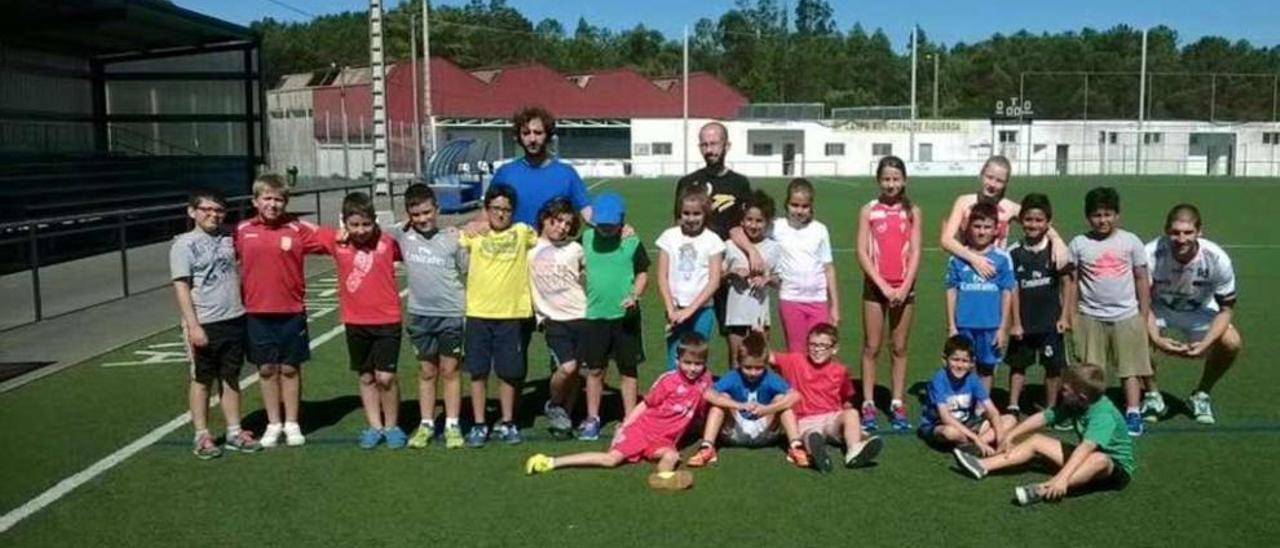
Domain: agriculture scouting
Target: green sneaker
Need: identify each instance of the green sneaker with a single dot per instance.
(421, 437)
(453, 437)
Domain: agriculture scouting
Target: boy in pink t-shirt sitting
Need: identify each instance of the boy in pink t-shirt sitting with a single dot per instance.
(825, 411)
(652, 430)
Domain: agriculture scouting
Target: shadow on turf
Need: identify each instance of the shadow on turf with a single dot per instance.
(316, 414)
(532, 398)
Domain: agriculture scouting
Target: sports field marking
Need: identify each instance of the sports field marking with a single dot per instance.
(50, 496)
(597, 183)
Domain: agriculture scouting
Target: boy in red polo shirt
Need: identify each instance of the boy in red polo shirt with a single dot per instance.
(271, 247)
(825, 411)
(370, 310)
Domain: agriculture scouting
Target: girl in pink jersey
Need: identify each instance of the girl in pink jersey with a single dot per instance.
(889, 253)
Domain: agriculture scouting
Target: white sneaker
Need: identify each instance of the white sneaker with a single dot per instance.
(271, 436)
(864, 453)
(1202, 408)
(293, 434)
(1153, 407)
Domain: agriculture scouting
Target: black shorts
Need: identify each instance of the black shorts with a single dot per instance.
(564, 340)
(373, 347)
(1043, 348)
(223, 356)
(619, 339)
(496, 346)
(434, 336)
(278, 339)
(1118, 479)
(872, 293)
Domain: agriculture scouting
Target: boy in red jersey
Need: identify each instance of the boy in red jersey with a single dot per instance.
(652, 430)
(825, 410)
(271, 247)
(370, 310)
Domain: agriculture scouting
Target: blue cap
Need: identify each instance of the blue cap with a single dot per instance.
(608, 208)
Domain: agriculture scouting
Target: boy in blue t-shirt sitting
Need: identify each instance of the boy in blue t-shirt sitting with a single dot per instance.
(956, 402)
(754, 400)
(977, 307)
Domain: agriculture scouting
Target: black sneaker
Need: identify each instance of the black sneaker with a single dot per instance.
(816, 443)
(1027, 494)
(970, 464)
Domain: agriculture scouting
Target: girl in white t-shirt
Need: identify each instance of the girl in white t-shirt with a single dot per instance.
(807, 295)
(689, 270)
(560, 302)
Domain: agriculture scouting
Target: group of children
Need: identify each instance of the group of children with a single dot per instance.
(475, 298)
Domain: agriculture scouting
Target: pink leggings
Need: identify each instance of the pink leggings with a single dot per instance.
(797, 319)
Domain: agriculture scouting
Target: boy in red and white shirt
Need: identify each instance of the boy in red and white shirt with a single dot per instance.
(825, 410)
(370, 310)
(271, 247)
(652, 430)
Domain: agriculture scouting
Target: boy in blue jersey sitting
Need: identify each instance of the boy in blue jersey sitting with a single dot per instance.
(747, 405)
(956, 403)
(977, 307)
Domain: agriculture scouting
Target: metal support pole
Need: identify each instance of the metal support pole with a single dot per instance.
(1275, 86)
(124, 255)
(1142, 105)
(346, 134)
(417, 100)
(684, 83)
(34, 242)
(911, 135)
(935, 85)
(1213, 97)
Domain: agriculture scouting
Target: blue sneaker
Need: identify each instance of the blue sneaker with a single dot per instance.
(589, 430)
(396, 438)
(369, 438)
(869, 418)
(1134, 421)
(900, 421)
(509, 433)
(478, 436)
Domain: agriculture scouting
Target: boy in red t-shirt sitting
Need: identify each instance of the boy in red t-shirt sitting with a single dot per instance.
(370, 310)
(653, 428)
(825, 411)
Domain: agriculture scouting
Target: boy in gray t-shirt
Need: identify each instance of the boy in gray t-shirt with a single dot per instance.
(206, 283)
(436, 267)
(1113, 299)
(747, 296)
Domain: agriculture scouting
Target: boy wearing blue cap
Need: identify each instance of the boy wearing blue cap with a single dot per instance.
(616, 275)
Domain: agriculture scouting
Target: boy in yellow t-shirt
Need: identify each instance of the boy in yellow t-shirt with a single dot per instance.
(499, 313)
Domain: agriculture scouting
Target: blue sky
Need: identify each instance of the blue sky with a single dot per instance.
(948, 21)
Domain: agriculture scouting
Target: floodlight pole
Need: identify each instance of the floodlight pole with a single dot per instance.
(378, 91)
(685, 115)
(911, 135)
(935, 83)
(417, 118)
(426, 78)
(1142, 104)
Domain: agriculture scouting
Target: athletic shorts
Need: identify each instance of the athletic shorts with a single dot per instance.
(743, 431)
(1118, 479)
(434, 336)
(496, 346)
(872, 293)
(1120, 346)
(1043, 348)
(928, 428)
(617, 339)
(564, 340)
(1186, 326)
(827, 424)
(222, 357)
(373, 347)
(985, 354)
(278, 339)
(636, 444)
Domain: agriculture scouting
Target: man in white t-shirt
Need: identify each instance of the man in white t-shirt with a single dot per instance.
(1193, 289)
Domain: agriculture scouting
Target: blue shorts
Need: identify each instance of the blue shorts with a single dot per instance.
(985, 354)
(278, 339)
(496, 346)
(702, 321)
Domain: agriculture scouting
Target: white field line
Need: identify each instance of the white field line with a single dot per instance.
(592, 186)
(96, 469)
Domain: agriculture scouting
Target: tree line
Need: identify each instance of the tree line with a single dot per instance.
(774, 54)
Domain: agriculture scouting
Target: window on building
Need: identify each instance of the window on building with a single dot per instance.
(1111, 137)
(640, 149)
(762, 149)
(1008, 136)
(835, 149)
(926, 152)
(661, 149)
(1271, 138)
(881, 149)
(1151, 138)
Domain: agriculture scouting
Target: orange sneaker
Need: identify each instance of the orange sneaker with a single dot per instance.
(704, 456)
(798, 456)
